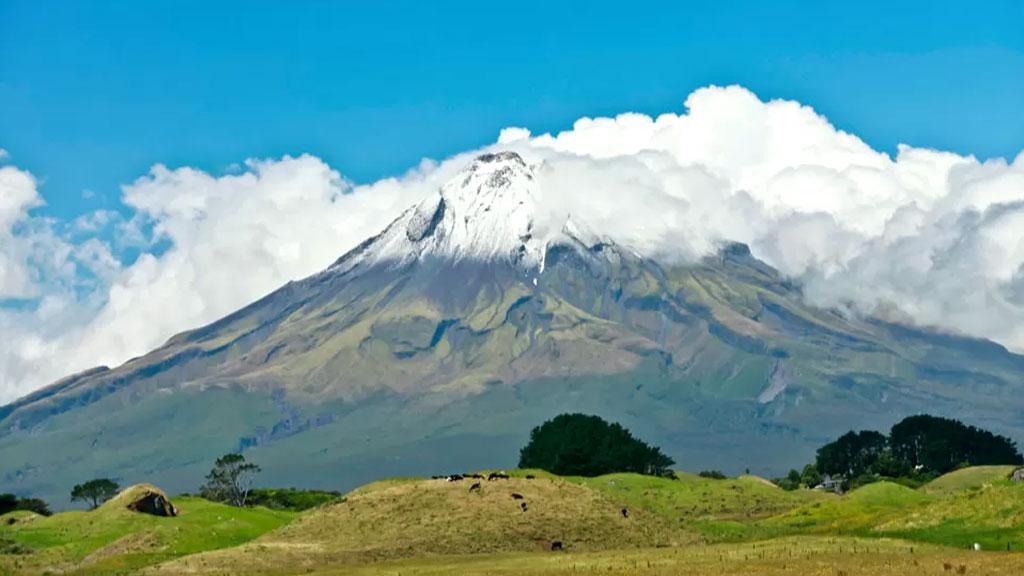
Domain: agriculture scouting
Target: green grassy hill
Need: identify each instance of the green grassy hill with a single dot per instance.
(113, 539)
(413, 525)
(414, 518)
(973, 477)
(857, 512)
(990, 513)
(717, 509)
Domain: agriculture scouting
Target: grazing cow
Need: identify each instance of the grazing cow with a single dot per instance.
(474, 476)
(523, 506)
(625, 513)
(497, 476)
(556, 546)
(475, 487)
(517, 496)
(454, 478)
(530, 476)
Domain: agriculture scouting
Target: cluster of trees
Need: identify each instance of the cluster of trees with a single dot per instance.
(291, 498)
(11, 502)
(918, 447)
(583, 445)
(230, 482)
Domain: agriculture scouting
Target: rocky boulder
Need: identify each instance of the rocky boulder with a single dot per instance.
(144, 499)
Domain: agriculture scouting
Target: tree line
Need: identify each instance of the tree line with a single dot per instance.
(568, 445)
(917, 448)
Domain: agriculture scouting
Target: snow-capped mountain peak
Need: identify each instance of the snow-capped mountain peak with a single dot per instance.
(488, 212)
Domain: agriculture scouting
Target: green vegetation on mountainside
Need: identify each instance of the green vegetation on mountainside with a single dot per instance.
(338, 379)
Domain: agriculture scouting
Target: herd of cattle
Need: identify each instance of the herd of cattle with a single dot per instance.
(476, 487)
(489, 477)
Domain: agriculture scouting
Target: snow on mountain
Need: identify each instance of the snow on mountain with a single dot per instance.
(489, 212)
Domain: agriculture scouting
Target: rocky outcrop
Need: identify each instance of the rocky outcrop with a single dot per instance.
(154, 504)
(144, 499)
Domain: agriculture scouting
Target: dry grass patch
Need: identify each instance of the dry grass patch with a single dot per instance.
(433, 518)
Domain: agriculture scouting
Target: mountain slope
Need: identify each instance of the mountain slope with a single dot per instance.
(438, 344)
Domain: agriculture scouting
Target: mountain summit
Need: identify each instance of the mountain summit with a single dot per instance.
(439, 343)
(486, 213)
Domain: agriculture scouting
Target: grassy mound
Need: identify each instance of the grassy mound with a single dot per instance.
(858, 512)
(967, 478)
(433, 517)
(718, 509)
(990, 513)
(113, 538)
(18, 517)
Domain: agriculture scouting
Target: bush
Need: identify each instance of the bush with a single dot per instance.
(10, 502)
(788, 482)
(582, 445)
(712, 474)
(291, 498)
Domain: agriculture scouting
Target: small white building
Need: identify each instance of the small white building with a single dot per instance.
(831, 484)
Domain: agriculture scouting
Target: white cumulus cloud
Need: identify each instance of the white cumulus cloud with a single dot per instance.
(931, 236)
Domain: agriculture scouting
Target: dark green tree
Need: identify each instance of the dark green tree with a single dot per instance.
(10, 502)
(712, 474)
(582, 445)
(95, 492)
(230, 480)
(942, 444)
(810, 477)
(888, 465)
(852, 454)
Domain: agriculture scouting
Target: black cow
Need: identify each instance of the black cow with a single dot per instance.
(625, 513)
(517, 496)
(556, 546)
(523, 506)
(454, 478)
(497, 476)
(475, 487)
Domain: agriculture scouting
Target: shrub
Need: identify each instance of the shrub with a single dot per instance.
(291, 498)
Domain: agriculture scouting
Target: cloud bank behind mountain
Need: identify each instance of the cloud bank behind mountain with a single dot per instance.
(926, 237)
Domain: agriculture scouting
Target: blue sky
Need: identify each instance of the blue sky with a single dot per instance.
(93, 93)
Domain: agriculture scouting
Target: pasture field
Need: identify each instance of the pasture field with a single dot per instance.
(614, 524)
(112, 539)
(803, 556)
